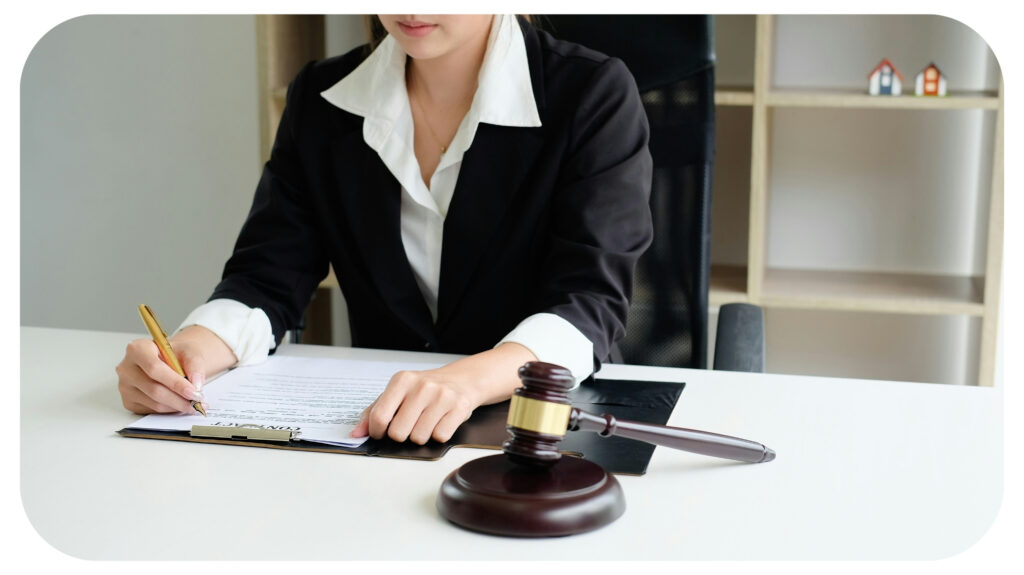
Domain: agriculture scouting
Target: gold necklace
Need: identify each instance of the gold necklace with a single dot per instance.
(415, 102)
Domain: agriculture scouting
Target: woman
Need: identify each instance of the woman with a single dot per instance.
(480, 188)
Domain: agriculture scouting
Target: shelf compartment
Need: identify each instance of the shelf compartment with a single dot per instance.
(873, 292)
(936, 349)
(728, 284)
(859, 99)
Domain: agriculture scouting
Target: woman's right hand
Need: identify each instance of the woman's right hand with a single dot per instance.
(148, 385)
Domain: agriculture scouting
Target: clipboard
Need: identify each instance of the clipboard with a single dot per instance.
(644, 401)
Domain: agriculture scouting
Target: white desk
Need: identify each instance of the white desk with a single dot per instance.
(865, 469)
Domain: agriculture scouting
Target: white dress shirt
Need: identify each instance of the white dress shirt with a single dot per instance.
(376, 91)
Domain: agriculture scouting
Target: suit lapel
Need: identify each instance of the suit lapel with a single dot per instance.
(492, 171)
(372, 199)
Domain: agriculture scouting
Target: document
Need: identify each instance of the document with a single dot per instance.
(318, 399)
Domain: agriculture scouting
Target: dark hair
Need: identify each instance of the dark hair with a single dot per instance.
(375, 31)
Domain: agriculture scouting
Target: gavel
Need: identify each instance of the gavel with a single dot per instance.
(540, 414)
(530, 490)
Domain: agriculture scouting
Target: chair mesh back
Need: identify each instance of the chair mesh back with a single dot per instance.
(667, 322)
(672, 59)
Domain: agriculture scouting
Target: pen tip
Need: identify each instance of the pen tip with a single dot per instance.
(199, 407)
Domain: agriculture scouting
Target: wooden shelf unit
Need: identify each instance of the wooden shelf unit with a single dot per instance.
(861, 292)
(284, 43)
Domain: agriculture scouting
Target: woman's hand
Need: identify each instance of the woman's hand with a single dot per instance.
(420, 405)
(148, 385)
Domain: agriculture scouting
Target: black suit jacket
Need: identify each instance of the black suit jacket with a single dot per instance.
(549, 219)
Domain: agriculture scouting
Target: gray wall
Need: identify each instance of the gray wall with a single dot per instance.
(139, 156)
(342, 32)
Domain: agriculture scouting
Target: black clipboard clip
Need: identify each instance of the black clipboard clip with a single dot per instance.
(244, 432)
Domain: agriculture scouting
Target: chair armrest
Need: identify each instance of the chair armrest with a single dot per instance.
(739, 343)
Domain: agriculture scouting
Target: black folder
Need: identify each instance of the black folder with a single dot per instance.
(644, 401)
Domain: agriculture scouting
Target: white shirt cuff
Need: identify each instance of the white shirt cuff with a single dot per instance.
(554, 340)
(246, 330)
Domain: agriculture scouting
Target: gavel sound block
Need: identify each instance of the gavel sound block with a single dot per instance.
(532, 491)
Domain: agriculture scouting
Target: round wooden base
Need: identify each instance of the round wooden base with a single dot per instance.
(497, 496)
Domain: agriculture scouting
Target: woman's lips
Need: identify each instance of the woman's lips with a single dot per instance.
(416, 29)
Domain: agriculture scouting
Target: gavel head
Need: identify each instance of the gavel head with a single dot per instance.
(538, 415)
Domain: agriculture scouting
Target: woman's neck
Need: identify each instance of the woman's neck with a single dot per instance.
(451, 79)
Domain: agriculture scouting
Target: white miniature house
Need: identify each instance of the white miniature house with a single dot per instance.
(885, 80)
(930, 82)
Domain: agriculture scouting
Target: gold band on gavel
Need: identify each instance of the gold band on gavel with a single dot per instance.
(538, 416)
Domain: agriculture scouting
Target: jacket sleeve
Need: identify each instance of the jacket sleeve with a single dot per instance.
(278, 259)
(601, 213)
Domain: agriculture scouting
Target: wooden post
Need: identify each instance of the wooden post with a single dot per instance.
(994, 258)
(760, 158)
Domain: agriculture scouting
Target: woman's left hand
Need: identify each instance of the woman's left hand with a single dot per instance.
(420, 405)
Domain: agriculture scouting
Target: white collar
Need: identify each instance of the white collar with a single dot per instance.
(375, 90)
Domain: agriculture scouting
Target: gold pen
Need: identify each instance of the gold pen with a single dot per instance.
(160, 339)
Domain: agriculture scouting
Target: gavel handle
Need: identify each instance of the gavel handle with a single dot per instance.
(692, 440)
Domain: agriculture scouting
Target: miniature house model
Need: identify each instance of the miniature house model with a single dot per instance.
(885, 80)
(930, 82)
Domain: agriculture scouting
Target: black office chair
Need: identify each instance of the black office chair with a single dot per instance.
(672, 58)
